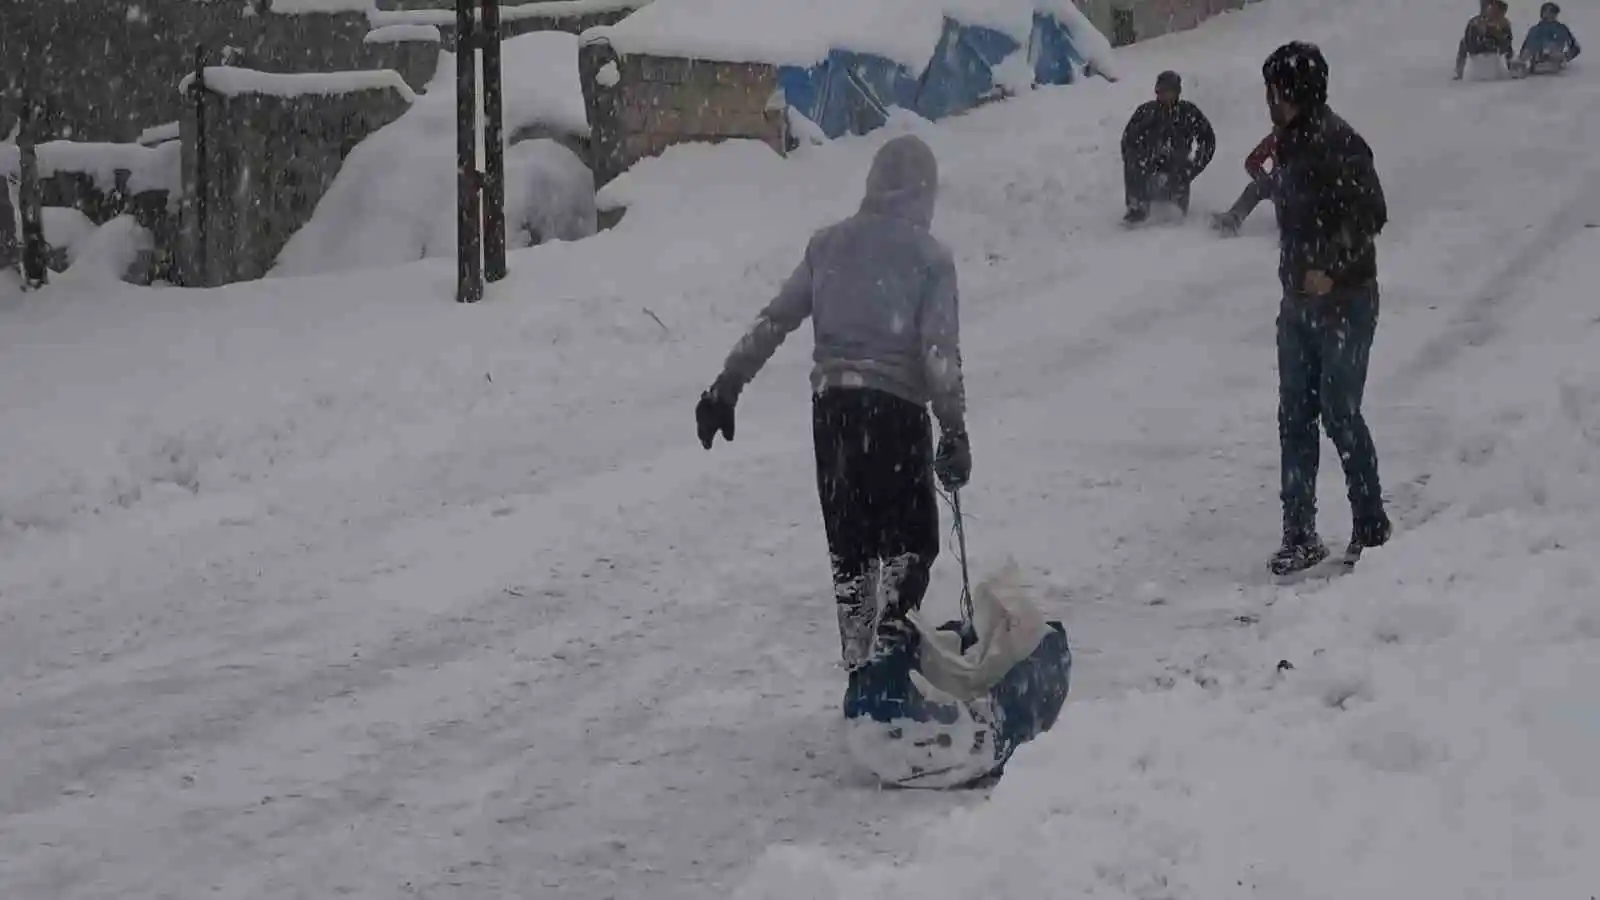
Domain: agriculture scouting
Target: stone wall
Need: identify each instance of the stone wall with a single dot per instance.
(268, 160)
(1126, 21)
(640, 105)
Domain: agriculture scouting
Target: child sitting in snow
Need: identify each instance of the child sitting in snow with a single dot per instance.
(1549, 45)
(1487, 43)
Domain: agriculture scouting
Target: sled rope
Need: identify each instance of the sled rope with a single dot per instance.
(960, 530)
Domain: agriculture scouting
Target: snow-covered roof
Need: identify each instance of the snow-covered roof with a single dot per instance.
(560, 9)
(229, 80)
(159, 134)
(786, 32)
(397, 34)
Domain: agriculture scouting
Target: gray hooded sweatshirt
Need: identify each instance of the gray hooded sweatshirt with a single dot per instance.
(881, 293)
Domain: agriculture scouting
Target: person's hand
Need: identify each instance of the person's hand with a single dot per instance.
(1317, 283)
(953, 463)
(712, 414)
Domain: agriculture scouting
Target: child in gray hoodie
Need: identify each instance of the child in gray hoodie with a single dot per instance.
(880, 291)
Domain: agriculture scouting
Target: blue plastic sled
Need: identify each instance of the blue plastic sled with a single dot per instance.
(909, 741)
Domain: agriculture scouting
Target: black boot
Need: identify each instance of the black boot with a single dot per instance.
(1300, 551)
(1368, 532)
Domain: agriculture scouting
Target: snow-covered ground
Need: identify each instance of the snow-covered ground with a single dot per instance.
(328, 586)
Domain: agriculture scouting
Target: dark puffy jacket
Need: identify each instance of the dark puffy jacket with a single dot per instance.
(1485, 35)
(1330, 202)
(1177, 140)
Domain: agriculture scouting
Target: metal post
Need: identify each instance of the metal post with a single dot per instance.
(469, 271)
(494, 163)
(35, 268)
(202, 172)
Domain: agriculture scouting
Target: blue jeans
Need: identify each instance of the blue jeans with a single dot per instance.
(1324, 344)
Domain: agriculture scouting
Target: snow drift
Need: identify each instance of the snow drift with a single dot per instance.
(394, 199)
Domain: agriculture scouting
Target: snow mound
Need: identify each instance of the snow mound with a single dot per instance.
(395, 197)
(105, 254)
(65, 228)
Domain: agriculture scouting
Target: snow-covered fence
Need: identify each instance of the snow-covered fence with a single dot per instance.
(273, 144)
(103, 181)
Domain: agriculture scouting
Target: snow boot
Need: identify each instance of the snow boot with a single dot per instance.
(1225, 224)
(881, 688)
(1367, 533)
(1298, 553)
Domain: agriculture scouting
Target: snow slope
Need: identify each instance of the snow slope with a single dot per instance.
(327, 586)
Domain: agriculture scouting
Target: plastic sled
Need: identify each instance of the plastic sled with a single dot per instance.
(950, 709)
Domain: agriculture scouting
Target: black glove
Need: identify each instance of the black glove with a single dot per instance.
(953, 463)
(714, 413)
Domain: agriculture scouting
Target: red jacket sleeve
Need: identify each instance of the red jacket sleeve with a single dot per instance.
(1256, 162)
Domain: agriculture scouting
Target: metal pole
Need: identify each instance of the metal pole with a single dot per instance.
(469, 271)
(494, 164)
(35, 268)
(202, 172)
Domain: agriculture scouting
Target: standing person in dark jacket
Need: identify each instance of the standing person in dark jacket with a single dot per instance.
(1331, 209)
(1549, 44)
(1488, 36)
(1167, 144)
(1263, 185)
(880, 291)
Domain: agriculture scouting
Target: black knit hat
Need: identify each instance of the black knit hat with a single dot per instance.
(1169, 81)
(1299, 73)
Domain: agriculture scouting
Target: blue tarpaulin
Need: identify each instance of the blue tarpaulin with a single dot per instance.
(852, 92)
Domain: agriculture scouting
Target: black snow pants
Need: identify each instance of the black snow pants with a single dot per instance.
(1324, 344)
(875, 479)
(1142, 187)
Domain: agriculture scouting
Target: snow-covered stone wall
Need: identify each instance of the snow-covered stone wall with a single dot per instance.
(272, 145)
(639, 105)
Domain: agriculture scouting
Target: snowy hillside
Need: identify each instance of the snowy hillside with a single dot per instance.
(327, 586)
